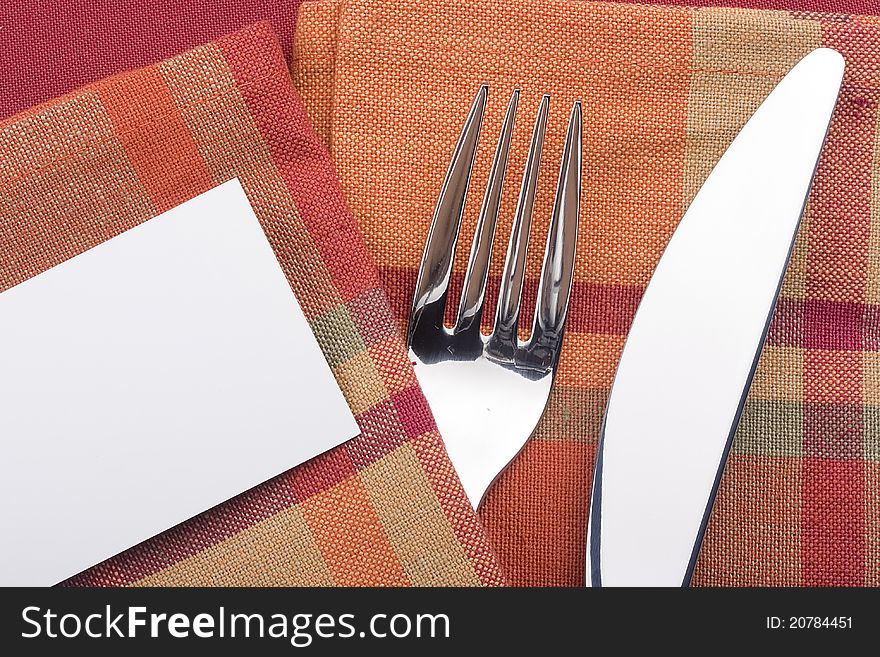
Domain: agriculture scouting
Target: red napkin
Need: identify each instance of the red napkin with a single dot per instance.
(50, 47)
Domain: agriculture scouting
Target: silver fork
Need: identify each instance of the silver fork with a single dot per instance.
(488, 392)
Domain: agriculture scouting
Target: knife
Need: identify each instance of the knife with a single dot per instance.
(696, 337)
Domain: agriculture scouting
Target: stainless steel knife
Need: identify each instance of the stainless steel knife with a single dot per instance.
(691, 353)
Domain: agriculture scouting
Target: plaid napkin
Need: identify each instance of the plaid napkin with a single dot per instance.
(388, 83)
(385, 508)
(828, 6)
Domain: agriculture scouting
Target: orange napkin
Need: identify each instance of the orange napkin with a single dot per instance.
(387, 83)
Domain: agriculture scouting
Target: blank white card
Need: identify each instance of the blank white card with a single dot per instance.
(149, 379)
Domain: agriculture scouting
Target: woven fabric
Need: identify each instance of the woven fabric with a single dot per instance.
(864, 7)
(383, 509)
(51, 47)
(388, 85)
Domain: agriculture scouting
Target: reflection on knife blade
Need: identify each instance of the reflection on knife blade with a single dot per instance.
(695, 340)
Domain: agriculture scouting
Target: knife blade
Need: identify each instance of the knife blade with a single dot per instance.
(691, 352)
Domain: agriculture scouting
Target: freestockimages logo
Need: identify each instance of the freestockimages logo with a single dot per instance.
(299, 629)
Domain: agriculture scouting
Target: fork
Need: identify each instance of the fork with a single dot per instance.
(488, 392)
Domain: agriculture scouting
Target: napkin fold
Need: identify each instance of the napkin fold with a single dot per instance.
(385, 508)
(387, 84)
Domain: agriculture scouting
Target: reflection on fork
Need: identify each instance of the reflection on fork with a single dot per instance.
(488, 392)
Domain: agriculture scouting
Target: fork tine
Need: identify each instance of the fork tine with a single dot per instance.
(433, 279)
(557, 272)
(473, 292)
(507, 314)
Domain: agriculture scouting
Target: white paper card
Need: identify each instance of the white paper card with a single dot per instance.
(149, 379)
